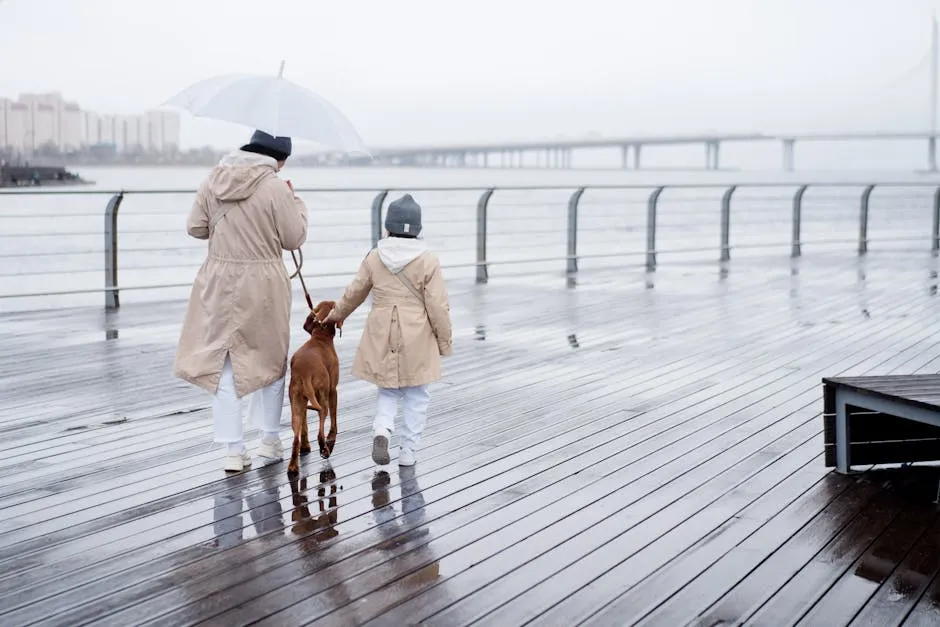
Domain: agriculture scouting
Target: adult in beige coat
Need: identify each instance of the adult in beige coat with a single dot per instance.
(235, 336)
(408, 329)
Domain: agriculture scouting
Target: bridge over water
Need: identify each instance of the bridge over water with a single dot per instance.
(558, 153)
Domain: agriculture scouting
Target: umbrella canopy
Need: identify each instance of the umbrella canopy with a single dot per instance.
(272, 104)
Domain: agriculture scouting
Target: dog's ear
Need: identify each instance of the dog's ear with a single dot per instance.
(310, 323)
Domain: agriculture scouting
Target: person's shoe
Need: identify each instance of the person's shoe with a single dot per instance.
(271, 449)
(238, 463)
(380, 448)
(406, 457)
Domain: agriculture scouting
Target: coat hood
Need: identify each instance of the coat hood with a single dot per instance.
(239, 174)
(398, 252)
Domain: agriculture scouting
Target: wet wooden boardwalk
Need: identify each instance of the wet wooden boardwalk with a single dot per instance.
(616, 454)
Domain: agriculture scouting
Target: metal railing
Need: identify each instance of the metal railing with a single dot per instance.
(909, 196)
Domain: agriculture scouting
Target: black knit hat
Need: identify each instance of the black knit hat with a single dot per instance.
(278, 148)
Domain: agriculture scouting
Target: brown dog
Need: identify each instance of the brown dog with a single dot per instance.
(314, 373)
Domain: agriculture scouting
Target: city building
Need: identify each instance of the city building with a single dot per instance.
(106, 136)
(130, 126)
(17, 127)
(4, 117)
(91, 131)
(47, 123)
(163, 131)
(73, 132)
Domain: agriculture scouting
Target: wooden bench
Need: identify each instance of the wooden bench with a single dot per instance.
(881, 420)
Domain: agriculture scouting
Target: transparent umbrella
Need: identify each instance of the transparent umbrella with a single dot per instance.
(272, 104)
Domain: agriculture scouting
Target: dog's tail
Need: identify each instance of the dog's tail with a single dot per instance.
(313, 398)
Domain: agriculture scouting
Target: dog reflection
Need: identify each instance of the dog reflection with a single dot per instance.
(320, 527)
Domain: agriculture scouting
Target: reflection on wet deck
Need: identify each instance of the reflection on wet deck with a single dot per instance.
(637, 450)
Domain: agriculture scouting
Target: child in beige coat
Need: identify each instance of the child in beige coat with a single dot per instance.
(408, 329)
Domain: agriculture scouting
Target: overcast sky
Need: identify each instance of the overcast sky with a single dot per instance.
(419, 71)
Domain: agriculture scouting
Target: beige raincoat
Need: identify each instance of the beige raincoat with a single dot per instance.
(403, 339)
(241, 298)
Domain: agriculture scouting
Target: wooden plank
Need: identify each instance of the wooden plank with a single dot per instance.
(837, 502)
(706, 434)
(568, 611)
(898, 593)
(371, 600)
(842, 537)
(527, 535)
(863, 578)
(927, 610)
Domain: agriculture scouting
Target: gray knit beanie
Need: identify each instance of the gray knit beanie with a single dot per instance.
(403, 217)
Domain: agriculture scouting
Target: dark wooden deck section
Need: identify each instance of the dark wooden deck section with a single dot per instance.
(616, 454)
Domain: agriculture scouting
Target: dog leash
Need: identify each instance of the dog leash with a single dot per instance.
(303, 285)
(297, 274)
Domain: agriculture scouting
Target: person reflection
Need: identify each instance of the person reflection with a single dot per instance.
(408, 529)
(264, 511)
(227, 519)
(265, 506)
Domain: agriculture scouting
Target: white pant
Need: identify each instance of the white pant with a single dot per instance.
(416, 400)
(264, 408)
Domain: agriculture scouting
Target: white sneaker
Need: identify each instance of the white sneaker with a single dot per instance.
(271, 449)
(406, 457)
(237, 463)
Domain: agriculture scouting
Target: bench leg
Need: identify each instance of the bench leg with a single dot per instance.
(843, 463)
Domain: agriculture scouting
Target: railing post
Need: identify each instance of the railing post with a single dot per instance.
(482, 206)
(377, 203)
(572, 266)
(863, 221)
(796, 248)
(112, 299)
(935, 232)
(651, 229)
(726, 223)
